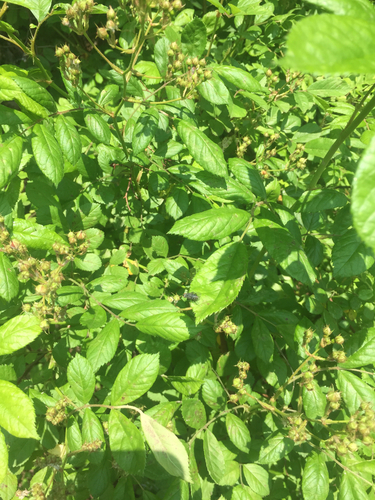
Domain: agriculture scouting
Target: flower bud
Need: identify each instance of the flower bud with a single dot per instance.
(41, 290)
(102, 33)
(233, 398)
(174, 46)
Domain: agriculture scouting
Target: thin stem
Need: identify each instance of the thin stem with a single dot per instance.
(218, 15)
(345, 133)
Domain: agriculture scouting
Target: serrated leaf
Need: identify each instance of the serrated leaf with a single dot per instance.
(18, 332)
(351, 487)
(204, 151)
(365, 353)
(47, 153)
(219, 280)
(194, 38)
(225, 188)
(10, 159)
(145, 130)
(350, 255)
(286, 250)
(89, 262)
(136, 378)
(92, 430)
(68, 139)
(275, 448)
(238, 432)
(193, 413)
(213, 394)
(39, 8)
(188, 386)
(161, 55)
(98, 127)
(262, 341)
(248, 175)
(122, 300)
(213, 456)
(17, 414)
(147, 308)
(171, 326)
(342, 44)
(103, 347)
(240, 78)
(9, 283)
(166, 447)
(214, 91)
(362, 8)
(35, 235)
(36, 92)
(314, 401)
(354, 391)
(126, 444)
(81, 378)
(257, 478)
(211, 224)
(319, 200)
(363, 200)
(3, 458)
(177, 202)
(315, 479)
(242, 492)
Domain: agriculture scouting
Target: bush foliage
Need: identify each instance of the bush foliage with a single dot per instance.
(186, 268)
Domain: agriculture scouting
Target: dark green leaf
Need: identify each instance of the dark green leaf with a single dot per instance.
(350, 255)
(98, 127)
(194, 38)
(10, 159)
(47, 153)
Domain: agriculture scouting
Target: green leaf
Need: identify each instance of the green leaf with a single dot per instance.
(135, 379)
(9, 283)
(102, 349)
(9, 486)
(225, 188)
(213, 394)
(365, 354)
(262, 341)
(17, 414)
(194, 38)
(39, 8)
(177, 202)
(145, 130)
(358, 8)
(171, 326)
(214, 91)
(240, 78)
(275, 448)
(92, 430)
(148, 308)
(3, 458)
(18, 332)
(10, 159)
(242, 492)
(354, 391)
(73, 434)
(122, 300)
(188, 386)
(341, 44)
(193, 413)
(286, 250)
(320, 199)
(351, 487)
(98, 127)
(89, 262)
(126, 444)
(219, 280)
(248, 175)
(204, 151)
(47, 153)
(35, 235)
(314, 402)
(161, 55)
(315, 480)
(69, 139)
(36, 92)
(238, 432)
(211, 224)
(329, 87)
(213, 456)
(81, 378)
(166, 447)
(350, 255)
(363, 200)
(257, 478)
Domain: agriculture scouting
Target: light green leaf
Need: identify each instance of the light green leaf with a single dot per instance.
(9, 283)
(224, 188)
(365, 354)
(211, 224)
(240, 78)
(89, 262)
(193, 413)
(257, 478)
(161, 55)
(69, 139)
(352, 488)
(354, 391)
(47, 153)
(286, 250)
(35, 235)
(9, 486)
(357, 8)
(10, 159)
(39, 8)
(314, 402)
(81, 378)
(319, 200)
(126, 444)
(3, 458)
(177, 202)
(363, 199)
(166, 447)
(102, 349)
(213, 394)
(18, 332)
(330, 44)
(194, 38)
(219, 280)
(17, 414)
(171, 326)
(92, 430)
(122, 300)
(145, 130)
(275, 448)
(135, 379)
(188, 386)
(213, 456)
(214, 91)
(248, 175)
(242, 492)
(204, 151)
(238, 432)
(329, 87)
(36, 92)
(148, 308)
(350, 255)
(315, 480)
(98, 127)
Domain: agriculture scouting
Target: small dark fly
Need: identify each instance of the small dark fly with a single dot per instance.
(191, 296)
